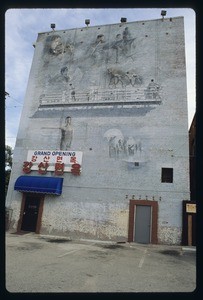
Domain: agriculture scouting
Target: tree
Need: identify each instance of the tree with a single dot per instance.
(8, 165)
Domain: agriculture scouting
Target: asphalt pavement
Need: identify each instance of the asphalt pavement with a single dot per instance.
(51, 264)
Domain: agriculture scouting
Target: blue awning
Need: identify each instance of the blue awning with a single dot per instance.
(39, 184)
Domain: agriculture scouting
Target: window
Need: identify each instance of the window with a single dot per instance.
(167, 175)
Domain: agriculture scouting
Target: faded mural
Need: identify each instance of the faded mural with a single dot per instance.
(66, 134)
(127, 148)
(99, 69)
(96, 91)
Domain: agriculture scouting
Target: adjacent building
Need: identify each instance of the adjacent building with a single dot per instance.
(192, 151)
(102, 150)
(189, 207)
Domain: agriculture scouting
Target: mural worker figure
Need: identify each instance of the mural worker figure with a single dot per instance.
(66, 134)
(152, 91)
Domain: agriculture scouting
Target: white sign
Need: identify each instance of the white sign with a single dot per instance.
(191, 208)
(52, 157)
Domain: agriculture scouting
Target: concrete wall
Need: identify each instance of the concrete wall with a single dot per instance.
(100, 76)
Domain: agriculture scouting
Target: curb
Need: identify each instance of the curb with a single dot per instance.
(189, 249)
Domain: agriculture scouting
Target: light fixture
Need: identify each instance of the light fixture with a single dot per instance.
(87, 22)
(53, 26)
(163, 14)
(123, 20)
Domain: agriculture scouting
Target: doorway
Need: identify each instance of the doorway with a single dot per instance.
(31, 213)
(142, 231)
(143, 218)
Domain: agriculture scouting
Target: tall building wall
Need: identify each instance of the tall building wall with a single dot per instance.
(124, 88)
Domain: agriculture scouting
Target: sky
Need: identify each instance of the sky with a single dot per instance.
(23, 25)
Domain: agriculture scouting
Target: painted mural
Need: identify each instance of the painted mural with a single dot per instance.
(84, 68)
(66, 134)
(127, 148)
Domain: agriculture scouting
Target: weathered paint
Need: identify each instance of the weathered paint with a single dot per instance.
(101, 77)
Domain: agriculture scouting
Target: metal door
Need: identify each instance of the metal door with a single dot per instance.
(30, 213)
(142, 232)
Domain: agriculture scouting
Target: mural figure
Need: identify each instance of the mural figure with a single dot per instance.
(126, 34)
(119, 77)
(100, 39)
(130, 146)
(56, 46)
(61, 77)
(116, 146)
(98, 49)
(115, 140)
(118, 46)
(69, 49)
(152, 91)
(126, 148)
(133, 78)
(123, 45)
(64, 73)
(73, 96)
(116, 77)
(66, 134)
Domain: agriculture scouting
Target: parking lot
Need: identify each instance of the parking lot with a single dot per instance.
(36, 263)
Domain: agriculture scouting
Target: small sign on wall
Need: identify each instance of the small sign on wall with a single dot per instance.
(191, 208)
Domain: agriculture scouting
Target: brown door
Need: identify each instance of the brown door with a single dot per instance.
(142, 231)
(143, 221)
(30, 213)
